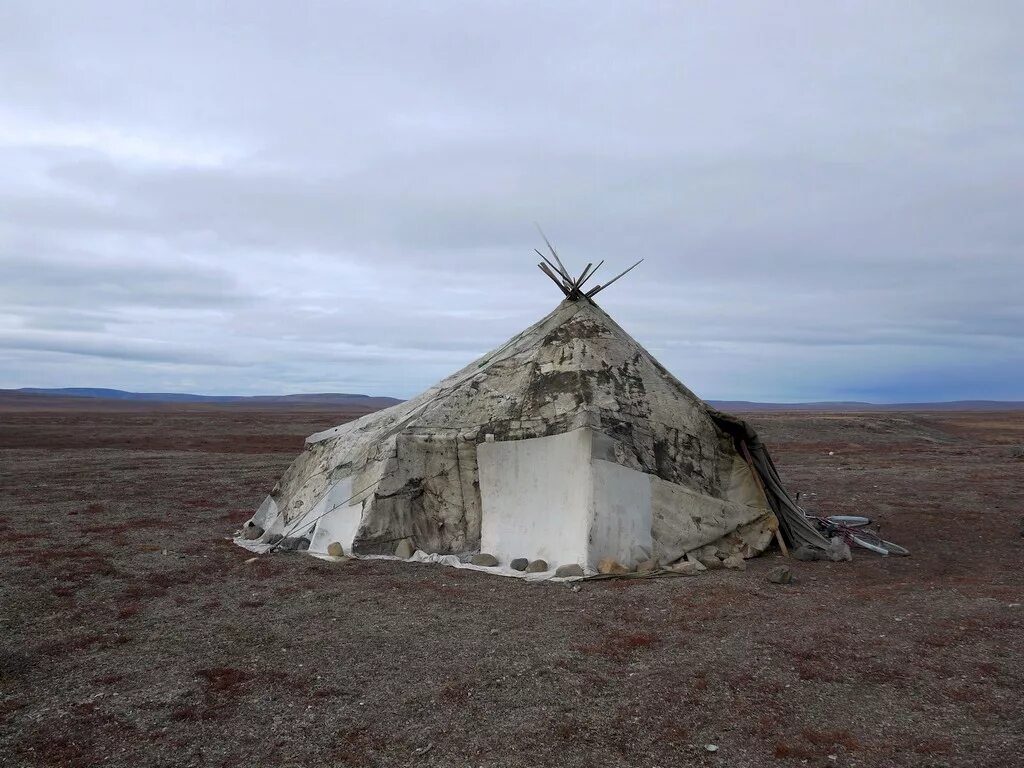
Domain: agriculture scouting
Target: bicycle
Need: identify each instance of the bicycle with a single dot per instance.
(853, 530)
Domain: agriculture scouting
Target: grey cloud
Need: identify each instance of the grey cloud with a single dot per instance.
(827, 197)
(120, 349)
(86, 279)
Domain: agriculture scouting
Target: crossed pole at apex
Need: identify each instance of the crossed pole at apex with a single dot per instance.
(572, 287)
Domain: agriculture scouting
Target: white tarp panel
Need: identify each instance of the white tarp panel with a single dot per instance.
(338, 521)
(268, 517)
(705, 519)
(621, 525)
(536, 498)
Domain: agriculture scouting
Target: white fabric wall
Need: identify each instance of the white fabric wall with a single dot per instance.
(537, 498)
(341, 521)
(621, 523)
(268, 516)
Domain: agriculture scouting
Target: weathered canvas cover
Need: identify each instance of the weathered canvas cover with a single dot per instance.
(410, 471)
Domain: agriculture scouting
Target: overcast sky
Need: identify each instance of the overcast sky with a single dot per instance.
(260, 197)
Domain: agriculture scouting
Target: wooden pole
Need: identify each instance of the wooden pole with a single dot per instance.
(583, 274)
(598, 289)
(554, 269)
(591, 273)
(562, 269)
(547, 271)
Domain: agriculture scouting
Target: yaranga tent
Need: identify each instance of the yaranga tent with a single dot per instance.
(566, 446)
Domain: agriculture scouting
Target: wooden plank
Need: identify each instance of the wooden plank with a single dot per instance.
(561, 267)
(590, 274)
(544, 268)
(579, 280)
(594, 291)
(554, 269)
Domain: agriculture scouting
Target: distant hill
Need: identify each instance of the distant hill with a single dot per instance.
(372, 403)
(853, 406)
(326, 398)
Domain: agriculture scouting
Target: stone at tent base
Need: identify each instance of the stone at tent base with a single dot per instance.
(780, 575)
(485, 559)
(647, 566)
(293, 544)
(252, 532)
(691, 558)
(610, 566)
(735, 563)
(405, 549)
(687, 567)
(334, 549)
(519, 564)
(838, 550)
(274, 538)
(637, 553)
(712, 563)
(567, 570)
(537, 566)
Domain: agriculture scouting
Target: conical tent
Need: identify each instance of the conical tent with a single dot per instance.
(569, 443)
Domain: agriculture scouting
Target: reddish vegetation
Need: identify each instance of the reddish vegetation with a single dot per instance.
(115, 653)
(222, 679)
(619, 646)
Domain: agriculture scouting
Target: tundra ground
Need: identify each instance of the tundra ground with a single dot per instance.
(132, 633)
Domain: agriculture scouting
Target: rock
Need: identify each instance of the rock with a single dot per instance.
(807, 554)
(334, 549)
(711, 563)
(537, 566)
(687, 567)
(274, 538)
(696, 563)
(291, 544)
(252, 532)
(405, 549)
(637, 553)
(612, 567)
(568, 570)
(302, 545)
(780, 575)
(485, 559)
(519, 564)
(735, 563)
(647, 566)
(838, 550)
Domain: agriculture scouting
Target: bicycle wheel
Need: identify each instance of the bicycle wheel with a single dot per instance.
(861, 540)
(849, 521)
(895, 549)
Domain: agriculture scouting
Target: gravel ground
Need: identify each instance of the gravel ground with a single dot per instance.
(134, 634)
